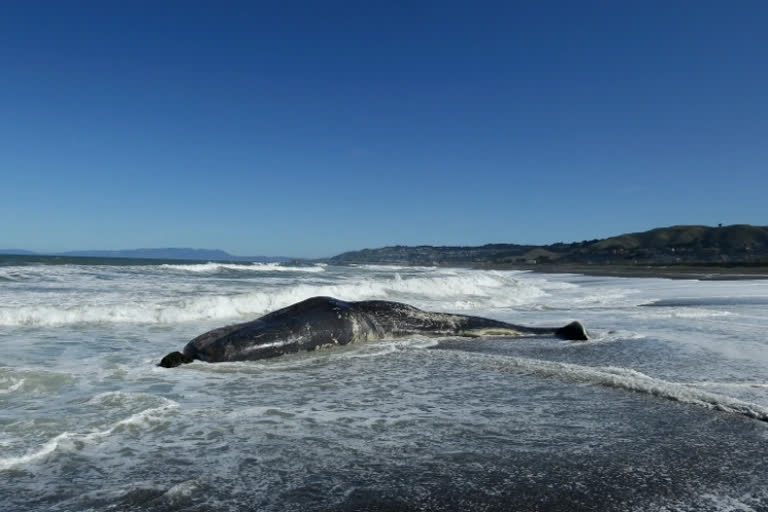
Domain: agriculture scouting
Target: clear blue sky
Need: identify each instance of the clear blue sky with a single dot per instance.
(307, 129)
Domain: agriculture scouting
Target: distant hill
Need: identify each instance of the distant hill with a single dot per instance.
(737, 244)
(431, 255)
(170, 253)
(15, 251)
(725, 238)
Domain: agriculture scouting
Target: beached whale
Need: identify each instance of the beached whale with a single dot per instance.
(323, 322)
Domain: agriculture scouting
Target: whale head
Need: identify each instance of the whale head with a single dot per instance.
(174, 359)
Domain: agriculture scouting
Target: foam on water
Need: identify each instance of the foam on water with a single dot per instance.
(31, 381)
(9, 384)
(395, 268)
(757, 385)
(212, 267)
(681, 312)
(73, 441)
(629, 380)
(720, 503)
(600, 337)
(90, 423)
(460, 291)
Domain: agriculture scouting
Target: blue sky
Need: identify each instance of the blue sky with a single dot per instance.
(307, 129)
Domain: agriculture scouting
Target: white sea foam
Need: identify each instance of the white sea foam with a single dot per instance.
(393, 268)
(597, 337)
(744, 385)
(182, 490)
(250, 267)
(119, 320)
(13, 384)
(31, 381)
(460, 291)
(630, 380)
(746, 503)
(681, 312)
(166, 294)
(72, 441)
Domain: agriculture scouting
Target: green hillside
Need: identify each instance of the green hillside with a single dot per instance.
(736, 244)
(730, 237)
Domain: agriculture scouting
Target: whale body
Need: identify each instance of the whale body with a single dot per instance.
(324, 322)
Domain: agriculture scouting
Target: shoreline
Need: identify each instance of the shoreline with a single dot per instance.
(702, 273)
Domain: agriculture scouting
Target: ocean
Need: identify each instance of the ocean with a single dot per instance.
(665, 408)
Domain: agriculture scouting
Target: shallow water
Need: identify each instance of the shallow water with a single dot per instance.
(663, 409)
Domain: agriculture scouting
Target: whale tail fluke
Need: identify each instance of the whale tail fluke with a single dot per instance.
(174, 359)
(573, 331)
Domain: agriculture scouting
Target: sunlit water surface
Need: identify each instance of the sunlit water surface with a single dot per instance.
(664, 409)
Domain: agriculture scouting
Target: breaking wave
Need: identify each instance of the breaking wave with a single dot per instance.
(458, 292)
(212, 267)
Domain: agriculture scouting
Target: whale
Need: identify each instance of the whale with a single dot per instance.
(324, 322)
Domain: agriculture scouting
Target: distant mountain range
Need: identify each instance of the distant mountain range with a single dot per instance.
(170, 253)
(16, 251)
(739, 244)
(736, 244)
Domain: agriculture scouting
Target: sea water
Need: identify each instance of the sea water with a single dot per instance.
(665, 408)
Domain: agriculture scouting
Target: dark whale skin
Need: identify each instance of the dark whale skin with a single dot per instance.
(323, 322)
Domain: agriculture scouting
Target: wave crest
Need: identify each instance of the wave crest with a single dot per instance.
(72, 441)
(212, 267)
(459, 291)
(630, 380)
